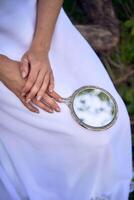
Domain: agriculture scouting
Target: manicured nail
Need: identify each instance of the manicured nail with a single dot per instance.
(25, 60)
(58, 109)
(28, 100)
(50, 90)
(61, 100)
(38, 98)
(51, 111)
(23, 94)
(23, 74)
(37, 111)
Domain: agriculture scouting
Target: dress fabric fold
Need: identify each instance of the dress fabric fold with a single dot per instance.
(49, 156)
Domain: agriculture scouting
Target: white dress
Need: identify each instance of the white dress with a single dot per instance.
(49, 156)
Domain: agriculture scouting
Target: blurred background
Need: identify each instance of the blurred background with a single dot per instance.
(108, 25)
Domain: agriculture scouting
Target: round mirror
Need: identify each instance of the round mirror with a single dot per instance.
(93, 108)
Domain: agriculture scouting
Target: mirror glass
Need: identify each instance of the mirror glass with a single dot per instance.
(94, 107)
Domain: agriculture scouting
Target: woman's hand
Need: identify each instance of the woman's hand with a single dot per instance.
(36, 67)
(40, 76)
(11, 78)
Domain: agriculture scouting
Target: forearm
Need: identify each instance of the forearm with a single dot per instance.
(2, 60)
(47, 14)
(2, 57)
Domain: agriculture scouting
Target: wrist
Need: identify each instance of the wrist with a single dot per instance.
(38, 51)
(40, 46)
(4, 61)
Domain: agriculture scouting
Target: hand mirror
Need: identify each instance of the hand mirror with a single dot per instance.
(92, 107)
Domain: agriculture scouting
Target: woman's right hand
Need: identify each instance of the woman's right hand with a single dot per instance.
(11, 78)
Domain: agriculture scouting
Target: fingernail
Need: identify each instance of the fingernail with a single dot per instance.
(58, 109)
(50, 90)
(38, 98)
(25, 60)
(28, 100)
(37, 111)
(51, 111)
(60, 99)
(23, 94)
(23, 74)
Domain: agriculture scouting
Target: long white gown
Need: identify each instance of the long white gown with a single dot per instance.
(49, 156)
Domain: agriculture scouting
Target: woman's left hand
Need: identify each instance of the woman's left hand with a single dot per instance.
(35, 66)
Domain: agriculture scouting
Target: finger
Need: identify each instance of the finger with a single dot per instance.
(51, 84)
(51, 102)
(55, 95)
(30, 82)
(36, 86)
(29, 106)
(24, 67)
(43, 87)
(43, 106)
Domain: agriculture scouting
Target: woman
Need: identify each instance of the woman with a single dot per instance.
(47, 155)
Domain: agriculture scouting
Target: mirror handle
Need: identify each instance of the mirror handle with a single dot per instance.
(67, 100)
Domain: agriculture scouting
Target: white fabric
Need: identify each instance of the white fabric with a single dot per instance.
(49, 156)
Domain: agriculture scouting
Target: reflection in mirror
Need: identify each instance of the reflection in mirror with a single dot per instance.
(94, 107)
